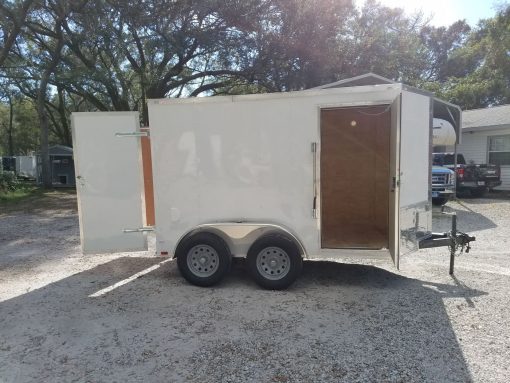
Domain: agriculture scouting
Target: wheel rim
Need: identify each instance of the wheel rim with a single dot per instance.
(202, 260)
(273, 263)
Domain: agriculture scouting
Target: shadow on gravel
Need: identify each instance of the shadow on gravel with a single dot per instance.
(338, 323)
(467, 220)
(36, 238)
(490, 197)
(486, 200)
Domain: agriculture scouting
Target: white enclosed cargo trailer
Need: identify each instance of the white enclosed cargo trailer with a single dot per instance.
(339, 171)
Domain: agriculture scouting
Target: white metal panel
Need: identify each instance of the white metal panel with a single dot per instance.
(108, 181)
(505, 178)
(243, 158)
(474, 147)
(415, 170)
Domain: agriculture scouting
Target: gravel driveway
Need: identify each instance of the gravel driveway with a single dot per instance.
(130, 317)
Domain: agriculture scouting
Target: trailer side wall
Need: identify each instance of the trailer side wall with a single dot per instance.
(244, 158)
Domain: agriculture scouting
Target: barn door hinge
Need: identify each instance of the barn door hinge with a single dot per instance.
(139, 230)
(133, 134)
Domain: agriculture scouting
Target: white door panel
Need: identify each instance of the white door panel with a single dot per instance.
(415, 219)
(108, 181)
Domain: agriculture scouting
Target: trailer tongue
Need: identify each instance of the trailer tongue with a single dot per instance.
(455, 240)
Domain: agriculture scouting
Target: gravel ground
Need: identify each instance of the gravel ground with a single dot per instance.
(130, 317)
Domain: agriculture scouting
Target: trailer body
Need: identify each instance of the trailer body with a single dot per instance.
(343, 171)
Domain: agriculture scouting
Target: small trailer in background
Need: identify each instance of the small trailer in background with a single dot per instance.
(338, 171)
(26, 166)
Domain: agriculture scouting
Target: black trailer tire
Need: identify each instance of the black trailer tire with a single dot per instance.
(439, 201)
(274, 261)
(203, 259)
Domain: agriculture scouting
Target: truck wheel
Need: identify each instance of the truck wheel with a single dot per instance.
(439, 201)
(203, 259)
(478, 193)
(274, 261)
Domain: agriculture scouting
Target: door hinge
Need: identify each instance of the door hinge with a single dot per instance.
(133, 134)
(139, 230)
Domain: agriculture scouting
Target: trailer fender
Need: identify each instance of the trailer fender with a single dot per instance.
(239, 236)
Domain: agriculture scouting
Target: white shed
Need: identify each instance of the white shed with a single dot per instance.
(486, 139)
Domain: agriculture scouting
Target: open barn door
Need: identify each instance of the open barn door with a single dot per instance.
(108, 181)
(415, 203)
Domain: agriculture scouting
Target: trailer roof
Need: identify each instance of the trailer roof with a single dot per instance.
(375, 88)
(364, 79)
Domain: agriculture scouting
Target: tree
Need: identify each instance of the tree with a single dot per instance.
(8, 123)
(120, 54)
(23, 137)
(479, 70)
(296, 43)
(440, 44)
(89, 55)
(12, 18)
(49, 39)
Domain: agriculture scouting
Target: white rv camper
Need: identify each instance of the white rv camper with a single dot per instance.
(337, 171)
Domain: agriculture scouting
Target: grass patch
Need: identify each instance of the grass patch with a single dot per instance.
(30, 197)
(19, 195)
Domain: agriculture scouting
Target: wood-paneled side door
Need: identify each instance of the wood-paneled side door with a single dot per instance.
(354, 166)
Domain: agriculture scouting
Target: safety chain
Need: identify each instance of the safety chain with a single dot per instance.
(460, 240)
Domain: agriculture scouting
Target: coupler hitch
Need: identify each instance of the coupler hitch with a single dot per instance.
(455, 240)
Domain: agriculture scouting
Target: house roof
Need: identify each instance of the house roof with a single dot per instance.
(59, 150)
(496, 117)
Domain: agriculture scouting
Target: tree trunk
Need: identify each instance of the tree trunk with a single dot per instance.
(145, 107)
(10, 141)
(46, 176)
(64, 122)
(41, 110)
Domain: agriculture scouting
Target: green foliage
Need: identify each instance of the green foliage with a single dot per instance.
(25, 133)
(9, 182)
(114, 55)
(480, 69)
(23, 194)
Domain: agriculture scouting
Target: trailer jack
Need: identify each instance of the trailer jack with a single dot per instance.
(455, 240)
